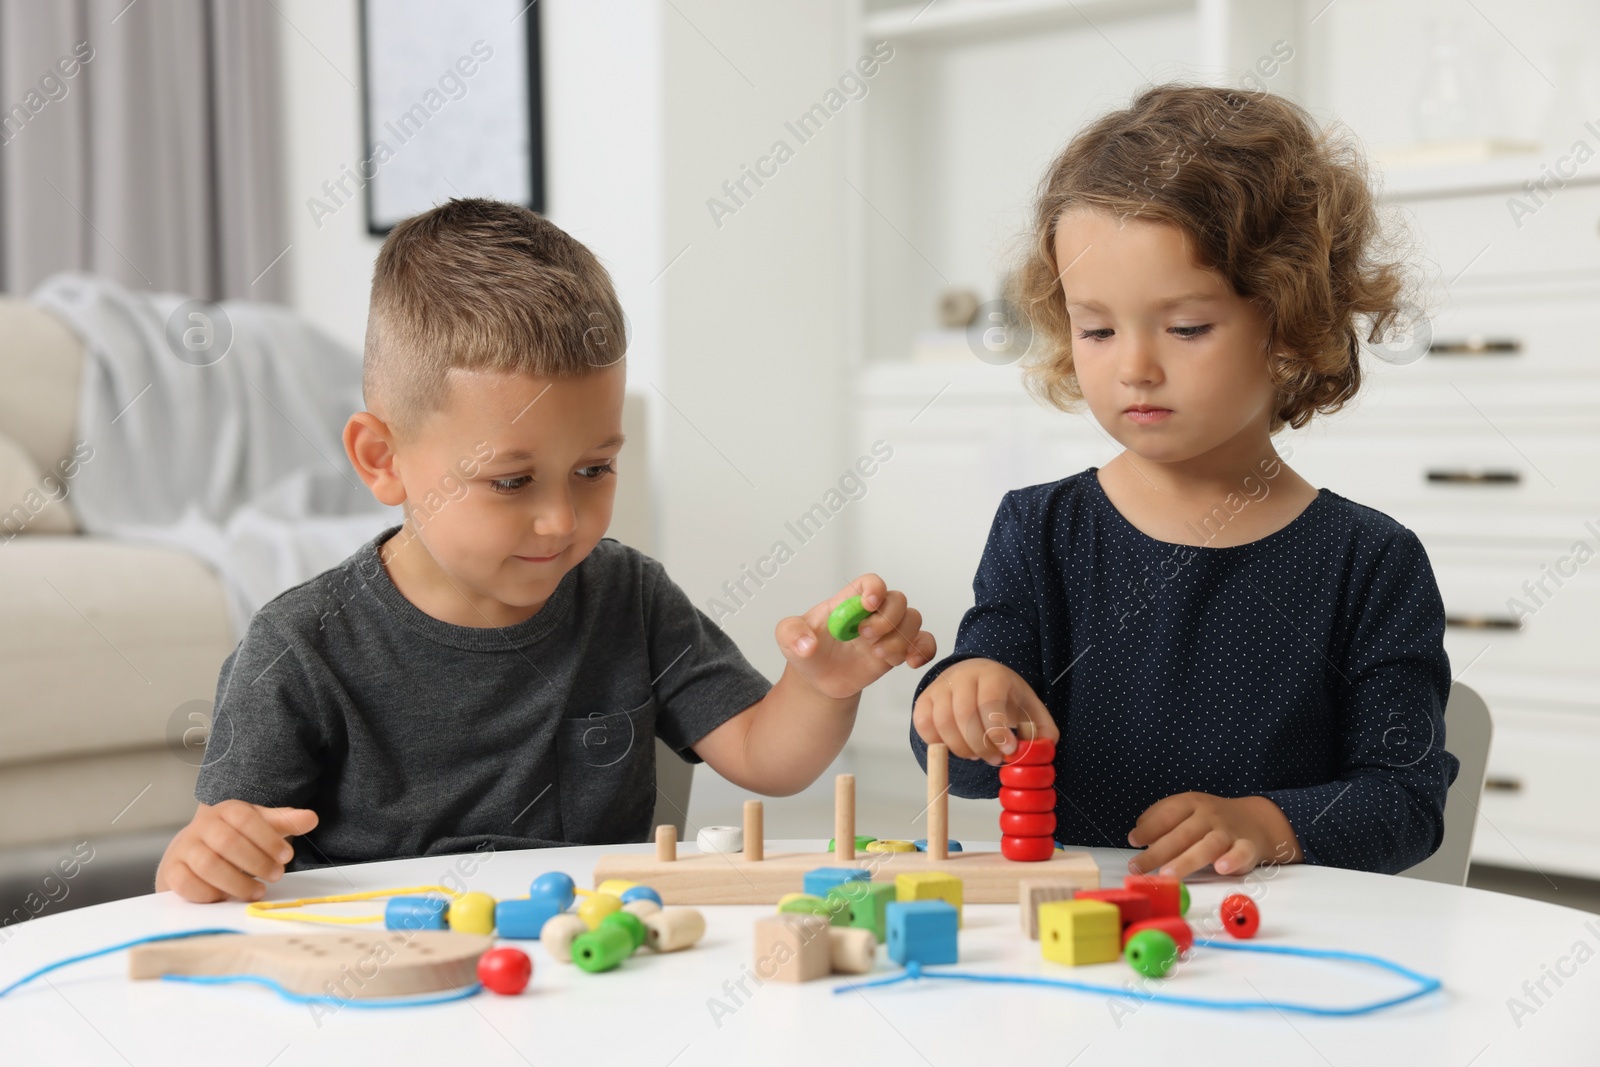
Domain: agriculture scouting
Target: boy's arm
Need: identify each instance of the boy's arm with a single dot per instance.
(780, 744)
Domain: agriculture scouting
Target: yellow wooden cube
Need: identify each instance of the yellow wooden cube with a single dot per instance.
(930, 885)
(1080, 931)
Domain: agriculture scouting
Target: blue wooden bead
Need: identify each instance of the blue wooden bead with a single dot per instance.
(922, 930)
(922, 845)
(525, 918)
(640, 892)
(819, 881)
(416, 913)
(555, 885)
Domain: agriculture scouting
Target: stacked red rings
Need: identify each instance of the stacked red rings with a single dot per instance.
(1028, 802)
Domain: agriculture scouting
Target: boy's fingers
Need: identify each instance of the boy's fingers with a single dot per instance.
(924, 648)
(1210, 847)
(289, 822)
(888, 619)
(1170, 845)
(949, 731)
(251, 822)
(239, 850)
(216, 871)
(922, 718)
(1239, 859)
(1044, 723)
(870, 588)
(999, 717)
(795, 635)
(191, 886)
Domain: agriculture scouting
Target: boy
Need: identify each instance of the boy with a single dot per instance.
(493, 671)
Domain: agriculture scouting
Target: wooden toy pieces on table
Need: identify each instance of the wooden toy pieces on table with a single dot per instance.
(1143, 922)
(755, 876)
(1028, 799)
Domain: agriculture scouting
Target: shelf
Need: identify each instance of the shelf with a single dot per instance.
(1459, 179)
(946, 19)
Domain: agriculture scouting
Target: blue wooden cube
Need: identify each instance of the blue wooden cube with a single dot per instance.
(822, 879)
(525, 917)
(922, 930)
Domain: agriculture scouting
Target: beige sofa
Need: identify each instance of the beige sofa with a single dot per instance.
(109, 651)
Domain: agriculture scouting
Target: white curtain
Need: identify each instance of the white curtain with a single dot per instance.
(141, 142)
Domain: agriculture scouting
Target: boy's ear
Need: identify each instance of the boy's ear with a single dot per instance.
(370, 445)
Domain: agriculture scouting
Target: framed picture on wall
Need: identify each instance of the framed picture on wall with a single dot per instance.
(450, 108)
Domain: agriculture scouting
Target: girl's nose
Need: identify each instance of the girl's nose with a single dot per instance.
(1136, 363)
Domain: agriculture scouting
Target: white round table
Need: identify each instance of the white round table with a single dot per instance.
(1491, 951)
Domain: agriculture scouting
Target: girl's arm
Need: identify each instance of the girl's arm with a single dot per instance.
(1385, 811)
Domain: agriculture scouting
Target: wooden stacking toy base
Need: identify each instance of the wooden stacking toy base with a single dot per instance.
(754, 876)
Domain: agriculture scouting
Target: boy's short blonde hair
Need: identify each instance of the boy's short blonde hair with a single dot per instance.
(1282, 211)
(482, 285)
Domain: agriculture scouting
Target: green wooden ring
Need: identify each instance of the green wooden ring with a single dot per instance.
(862, 841)
(844, 623)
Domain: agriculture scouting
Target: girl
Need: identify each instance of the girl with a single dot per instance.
(1240, 668)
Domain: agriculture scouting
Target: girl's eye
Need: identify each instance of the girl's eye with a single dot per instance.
(1094, 335)
(600, 471)
(509, 485)
(1189, 333)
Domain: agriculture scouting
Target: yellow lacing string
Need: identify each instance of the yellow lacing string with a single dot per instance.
(260, 909)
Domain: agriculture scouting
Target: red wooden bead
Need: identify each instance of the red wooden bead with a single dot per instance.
(505, 970)
(1160, 888)
(1240, 915)
(1027, 799)
(1135, 907)
(1027, 849)
(1028, 823)
(1028, 775)
(1173, 926)
(1028, 752)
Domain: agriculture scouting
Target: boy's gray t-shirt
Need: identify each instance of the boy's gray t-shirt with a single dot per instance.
(409, 736)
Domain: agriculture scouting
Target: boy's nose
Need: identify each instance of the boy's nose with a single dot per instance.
(556, 515)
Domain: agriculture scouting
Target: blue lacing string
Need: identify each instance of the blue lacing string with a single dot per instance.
(1425, 984)
(223, 979)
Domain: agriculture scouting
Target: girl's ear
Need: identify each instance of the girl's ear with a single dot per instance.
(369, 444)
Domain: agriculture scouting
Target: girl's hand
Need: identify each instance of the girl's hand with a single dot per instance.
(1187, 831)
(891, 635)
(973, 707)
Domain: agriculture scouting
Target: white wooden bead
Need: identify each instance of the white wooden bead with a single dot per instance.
(556, 935)
(720, 839)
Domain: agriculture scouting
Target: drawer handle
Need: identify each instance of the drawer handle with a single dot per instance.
(1483, 622)
(1476, 477)
(1477, 346)
(1502, 785)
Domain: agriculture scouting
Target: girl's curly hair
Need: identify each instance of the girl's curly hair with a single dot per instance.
(1282, 210)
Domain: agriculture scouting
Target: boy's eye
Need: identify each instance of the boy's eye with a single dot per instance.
(600, 471)
(509, 485)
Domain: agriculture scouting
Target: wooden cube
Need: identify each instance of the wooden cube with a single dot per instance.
(930, 885)
(922, 930)
(817, 882)
(793, 948)
(1031, 892)
(863, 906)
(1080, 931)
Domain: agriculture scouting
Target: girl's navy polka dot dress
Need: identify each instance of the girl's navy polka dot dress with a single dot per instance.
(1307, 666)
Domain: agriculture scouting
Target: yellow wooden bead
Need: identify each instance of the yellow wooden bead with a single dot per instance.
(472, 913)
(881, 845)
(615, 886)
(597, 906)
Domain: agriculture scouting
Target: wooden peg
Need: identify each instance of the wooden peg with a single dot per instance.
(753, 831)
(844, 817)
(938, 802)
(666, 843)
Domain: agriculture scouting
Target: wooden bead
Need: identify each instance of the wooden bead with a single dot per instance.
(1076, 932)
(1028, 823)
(1151, 952)
(472, 913)
(1165, 897)
(505, 970)
(1028, 775)
(1171, 925)
(1032, 892)
(641, 907)
(557, 886)
(671, 929)
(616, 887)
(597, 906)
(1134, 907)
(1240, 916)
(930, 885)
(558, 933)
(639, 892)
(601, 949)
(853, 950)
(792, 948)
(416, 913)
(629, 922)
(1029, 800)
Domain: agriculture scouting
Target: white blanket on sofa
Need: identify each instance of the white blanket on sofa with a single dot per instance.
(229, 449)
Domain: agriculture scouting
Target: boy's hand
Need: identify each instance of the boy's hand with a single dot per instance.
(973, 707)
(1186, 831)
(891, 635)
(227, 846)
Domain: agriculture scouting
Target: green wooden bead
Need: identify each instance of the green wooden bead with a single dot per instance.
(629, 922)
(603, 948)
(1151, 952)
(1183, 899)
(844, 623)
(805, 904)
